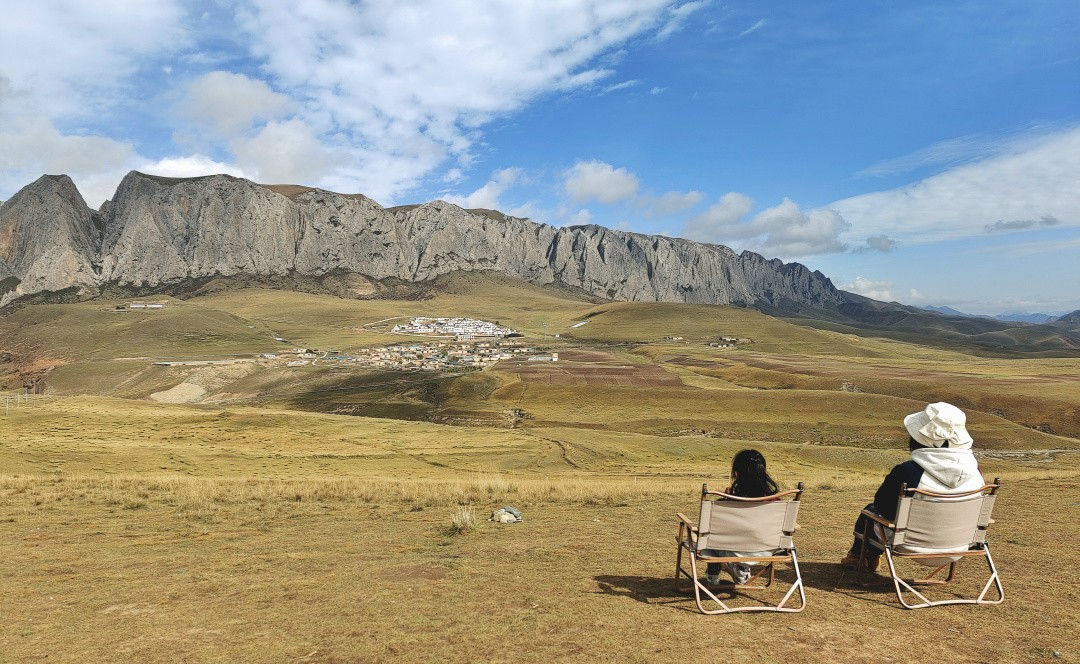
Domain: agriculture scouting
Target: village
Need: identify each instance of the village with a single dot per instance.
(458, 344)
(448, 344)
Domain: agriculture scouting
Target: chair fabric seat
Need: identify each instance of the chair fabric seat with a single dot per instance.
(756, 530)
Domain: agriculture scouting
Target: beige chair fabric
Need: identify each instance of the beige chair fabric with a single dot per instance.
(731, 523)
(937, 530)
(746, 526)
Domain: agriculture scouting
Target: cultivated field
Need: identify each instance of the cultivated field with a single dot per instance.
(256, 523)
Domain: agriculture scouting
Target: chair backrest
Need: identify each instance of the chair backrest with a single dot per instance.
(733, 523)
(926, 520)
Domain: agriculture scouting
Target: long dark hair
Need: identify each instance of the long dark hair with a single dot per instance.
(748, 476)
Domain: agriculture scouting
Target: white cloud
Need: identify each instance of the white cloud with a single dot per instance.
(405, 86)
(726, 213)
(596, 180)
(30, 148)
(656, 90)
(72, 59)
(677, 17)
(670, 203)
(620, 86)
(580, 218)
(230, 103)
(753, 28)
(286, 152)
(1021, 224)
(875, 290)
(191, 166)
(1030, 248)
(879, 243)
(368, 97)
(784, 230)
(64, 65)
(487, 196)
(1035, 179)
(950, 153)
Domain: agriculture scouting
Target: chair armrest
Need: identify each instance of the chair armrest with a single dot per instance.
(879, 519)
(687, 522)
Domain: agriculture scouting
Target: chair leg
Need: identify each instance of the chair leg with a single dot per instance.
(902, 586)
(678, 563)
(758, 574)
(929, 579)
(798, 584)
(993, 581)
(700, 588)
(860, 566)
(703, 594)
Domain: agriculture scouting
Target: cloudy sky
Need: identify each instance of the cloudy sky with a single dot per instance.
(923, 152)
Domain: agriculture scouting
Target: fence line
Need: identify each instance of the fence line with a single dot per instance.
(15, 400)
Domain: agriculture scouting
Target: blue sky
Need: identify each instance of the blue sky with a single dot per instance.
(923, 152)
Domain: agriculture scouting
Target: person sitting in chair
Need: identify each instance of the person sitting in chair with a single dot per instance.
(748, 480)
(941, 461)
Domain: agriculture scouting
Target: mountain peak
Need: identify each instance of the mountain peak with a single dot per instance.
(158, 232)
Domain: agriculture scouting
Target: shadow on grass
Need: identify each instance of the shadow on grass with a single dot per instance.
(644, 589)
(817, 577)
(833, 578)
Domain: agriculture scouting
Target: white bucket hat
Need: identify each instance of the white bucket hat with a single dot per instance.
(939, 423)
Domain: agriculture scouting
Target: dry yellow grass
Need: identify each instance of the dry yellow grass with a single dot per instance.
(133, 531)
(138, 532)
(164, 570)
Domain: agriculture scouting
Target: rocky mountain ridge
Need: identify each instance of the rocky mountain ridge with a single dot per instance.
(158, 232)
(191, 235)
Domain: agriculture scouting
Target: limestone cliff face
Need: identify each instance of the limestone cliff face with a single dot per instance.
(158, 232)
(49, 239)
(8, 281)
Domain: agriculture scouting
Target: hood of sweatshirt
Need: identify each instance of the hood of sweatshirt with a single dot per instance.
(947, 470)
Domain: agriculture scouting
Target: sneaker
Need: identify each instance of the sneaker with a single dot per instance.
(851, 561)
(712, 579)
(740, 574)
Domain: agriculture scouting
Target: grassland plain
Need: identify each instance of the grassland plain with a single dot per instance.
(257, 525)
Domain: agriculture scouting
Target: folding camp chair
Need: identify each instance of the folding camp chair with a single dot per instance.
(935, 530)
(731, 524)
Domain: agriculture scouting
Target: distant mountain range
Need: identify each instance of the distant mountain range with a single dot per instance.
(1015, 317)
(184, 235)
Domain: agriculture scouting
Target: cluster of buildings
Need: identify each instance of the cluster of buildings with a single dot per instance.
(460, 328)
(430, 356)
(440, 355)
(294, 357)
(729, 342)
(137, 305)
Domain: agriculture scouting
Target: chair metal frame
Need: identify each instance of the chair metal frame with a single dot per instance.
(689, 541)
(887, 535)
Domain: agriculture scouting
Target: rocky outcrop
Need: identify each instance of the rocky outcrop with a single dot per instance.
(157, 232)
(1070, 321)
(8, 281)
(49, 240)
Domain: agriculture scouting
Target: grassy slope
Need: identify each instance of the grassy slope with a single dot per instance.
(247, 531)
(785, 385)
(148, 533)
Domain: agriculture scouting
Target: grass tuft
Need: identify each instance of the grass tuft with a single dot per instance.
(462, 520)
